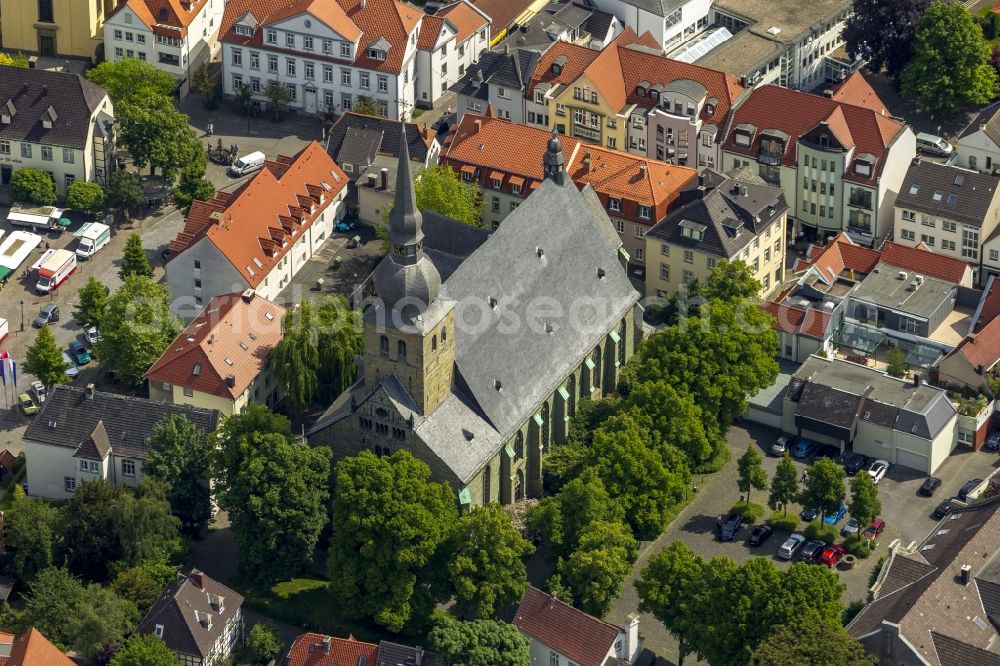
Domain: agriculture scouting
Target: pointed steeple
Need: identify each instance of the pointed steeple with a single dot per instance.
(405, 219)
(552, 162)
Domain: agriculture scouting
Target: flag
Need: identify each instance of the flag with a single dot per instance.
(8, 369)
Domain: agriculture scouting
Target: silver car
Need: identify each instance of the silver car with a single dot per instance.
(71, 370)
(780, 446)
(852, 527)
(791, 546)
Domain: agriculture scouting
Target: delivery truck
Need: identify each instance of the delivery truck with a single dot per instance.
(55, 270)
(13, 251)
(93, 236)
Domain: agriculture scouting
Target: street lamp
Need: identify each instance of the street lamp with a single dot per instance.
(22, 315)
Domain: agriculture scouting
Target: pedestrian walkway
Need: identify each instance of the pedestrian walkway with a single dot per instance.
(228, 120)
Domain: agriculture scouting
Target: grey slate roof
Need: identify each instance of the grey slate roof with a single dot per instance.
(68, 417)
(30, 93)
(95, 447)
(948, 192)
(658, 7)
(561, 16)
(394, 654)
(175, 610)
(730, 219)
(360, 146)
(510, 70)
(828, 405)
(989, 120)
(390, 135)
(952, 652)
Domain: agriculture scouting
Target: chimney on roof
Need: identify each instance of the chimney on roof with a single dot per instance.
(198, 578)
(372, 180)
(361, 4)
(479, 126)
(916, 381)
(248, 295)
(743, 191)
(916, 159)
(828, 93)
(231, 381)
(88, 392)
(966, 574)
(642, 170)
(631, 638)
(384, 178)
(327, 643)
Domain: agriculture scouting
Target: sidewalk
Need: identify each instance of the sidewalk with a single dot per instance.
(229, 120)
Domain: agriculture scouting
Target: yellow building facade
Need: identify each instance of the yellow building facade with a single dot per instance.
(54, 28)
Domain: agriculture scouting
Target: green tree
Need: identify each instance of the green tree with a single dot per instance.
(124, 192)
(484, 562)
(315, 357)
(179, 456)
(44, 359)
(635, 473)
(784, 485)
(439, 189)
(145, 650)
(951, 61)
(52, 602)
(192, 186)
(881, 32)
(136, 329)
(92, 304)
(667, 590)
(823, 487)
(101, 622)
(562, 518)
(597, 569)
(34, 186)
(263, 643)
(897, 365)
(806, 642)
(673, 416)
(157, 135)
(142, 583)
(244, 95)
(479, 643)
(751, 472)
(229, 455)
(85, 197)
(133, 79)
(865, 504)
(388, 521)
(732, 281)
(134, 259)
(276, 504)
(204, 83)
(20, 60)
(277, 94)
(32, 530)
(366, 106)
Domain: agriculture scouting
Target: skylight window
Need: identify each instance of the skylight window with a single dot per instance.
(196, 370)
(252, 335)
(914, 188)
(244, 346)
(268, 316)
(938, 195)
(952, 199)
(229, 361)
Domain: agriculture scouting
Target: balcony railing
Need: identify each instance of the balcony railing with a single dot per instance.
(769, 158)
(169, 59)
(860, 202)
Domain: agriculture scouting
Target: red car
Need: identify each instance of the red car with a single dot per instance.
(831, 555)
(875, 529)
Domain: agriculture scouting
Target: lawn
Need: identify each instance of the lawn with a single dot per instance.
(983, 13)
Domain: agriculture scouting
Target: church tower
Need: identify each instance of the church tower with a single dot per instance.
(553, 161)
(410, 331)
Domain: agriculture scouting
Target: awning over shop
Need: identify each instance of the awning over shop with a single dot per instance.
(864, 339)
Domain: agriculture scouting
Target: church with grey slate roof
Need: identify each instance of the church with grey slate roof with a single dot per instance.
(477, 374)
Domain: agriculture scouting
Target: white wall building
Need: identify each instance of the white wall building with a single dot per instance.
(450, 42)
(669, 22)
(176, 37)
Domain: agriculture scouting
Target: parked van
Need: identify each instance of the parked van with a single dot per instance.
(933, 145)
(55, 270)
(247, 163)
(93, 236)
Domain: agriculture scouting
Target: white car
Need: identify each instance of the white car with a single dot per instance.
(877, 470)
(791, 546)
(92, 335)
(71, 370)
(780, 446)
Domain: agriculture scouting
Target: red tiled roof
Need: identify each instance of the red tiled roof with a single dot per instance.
(576, 59)
(989, 308)
(502, 12)
(307, 650)
(257, 224)
(856, 90)
(581, 637)
(231, 336)
(34, 649)
(163, 17)
(925, 262)
(793, 319)
(840, 255)
(382, 18)
(430, 30)
(869, 131)
(983, 348)
(325, 11)
(466, 19)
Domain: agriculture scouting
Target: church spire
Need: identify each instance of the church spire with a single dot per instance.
(405, 220)
(552, 162)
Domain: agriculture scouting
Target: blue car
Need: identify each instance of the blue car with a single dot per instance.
(835, 518)
(804, 448)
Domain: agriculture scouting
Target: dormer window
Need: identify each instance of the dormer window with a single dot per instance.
(244, 30)
(824, 140)
(556, 68)
(862, 168)
(741, 139)
(376, 54)
(640, 91)
(710, 109)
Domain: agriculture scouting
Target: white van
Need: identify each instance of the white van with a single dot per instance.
(933, 145)
(247, 163)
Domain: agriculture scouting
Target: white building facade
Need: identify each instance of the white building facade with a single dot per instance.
(449, 43)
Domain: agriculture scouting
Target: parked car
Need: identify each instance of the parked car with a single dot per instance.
(346, 226)
(943, 509)
(932, 144)
(854, 463)
(804, 448)
(730, 527)
(811, 551)
(831, 452)
(28, 405)
(963, 492)
(79, 352)
(71, 370)
(831, 555)
(791, 546)
(877, 470)
(875, 529)
(760, 534)
(931, 484)
(834, 518)
(809, 515)
(781, 446)
(40, 391)
(993, 441)
(851, 527)
(93, 335)
(49, 314)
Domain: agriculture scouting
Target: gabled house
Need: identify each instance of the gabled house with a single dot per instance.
(31, 649)
(81, 434)
(499, 81)
(450, 41)
(576, 21)
(973, 363)
(259, 235)
(220, 360)
(561, 635)
(505, 15)
(173, 36)
(978, 146)
(840, 165)
(199, 618)
(312, 649)
(58, 122)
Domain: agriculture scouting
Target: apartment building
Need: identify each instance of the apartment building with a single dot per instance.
(726, 220)
(327, 53)
(449, 42)
(55, 28)
(951, 211)
(58, 122)
(504, 160)
(175, 37)
(840, 165)
(499, 81)
(669, 22)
